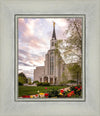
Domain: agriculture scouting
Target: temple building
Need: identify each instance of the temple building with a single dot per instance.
(53, 70)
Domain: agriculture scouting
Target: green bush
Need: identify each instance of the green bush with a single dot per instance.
(43, 84)
(62, 83)
(36, 82)
(19, 83)
(39, 84)
(71, 81)
(53, 93)
(29, 83)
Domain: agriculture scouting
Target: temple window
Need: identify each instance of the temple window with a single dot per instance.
(52, 43)
(51, 65)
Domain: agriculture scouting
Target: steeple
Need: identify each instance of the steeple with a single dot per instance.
(53, 40)
(54, 34)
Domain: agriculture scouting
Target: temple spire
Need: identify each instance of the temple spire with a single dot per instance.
(54, 34)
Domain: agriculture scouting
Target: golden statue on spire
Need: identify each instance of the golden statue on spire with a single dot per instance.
(53, 24)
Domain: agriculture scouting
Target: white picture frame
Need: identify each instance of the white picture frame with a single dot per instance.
(83, 17)
(8, 106)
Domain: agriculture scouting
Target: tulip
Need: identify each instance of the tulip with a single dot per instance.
(68, 95)
(46, 95)
(80, 87)
(31, 96)
(26, 96)
(36, 95)
(76, 87)
(72, 92)
(62, 91)
(41, 93)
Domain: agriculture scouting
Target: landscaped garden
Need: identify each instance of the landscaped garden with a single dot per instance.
(50, 91)
(45, 90)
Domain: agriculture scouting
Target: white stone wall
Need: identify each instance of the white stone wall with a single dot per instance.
(39, 72)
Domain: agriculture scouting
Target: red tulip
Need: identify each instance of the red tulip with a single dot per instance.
(68, 96)
(36, 95)
(72, 92)
(80, 87)
(46, 95)
(26, 96)
(62, 91)
(76, 87)
(46, 88)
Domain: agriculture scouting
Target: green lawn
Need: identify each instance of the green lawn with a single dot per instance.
(31, 90)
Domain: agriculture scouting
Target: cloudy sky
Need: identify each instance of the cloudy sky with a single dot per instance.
(34, 36)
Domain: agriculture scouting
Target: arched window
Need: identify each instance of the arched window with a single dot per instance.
(52, 43)
(51, 64)
(51, 80)
(45, 79)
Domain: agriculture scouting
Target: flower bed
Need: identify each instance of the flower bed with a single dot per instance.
(69, 92)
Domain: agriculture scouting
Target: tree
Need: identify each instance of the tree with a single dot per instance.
(74, 41)
(22, 78)
(71, 48)
(75, 70)
(64, 79)
(29, 81)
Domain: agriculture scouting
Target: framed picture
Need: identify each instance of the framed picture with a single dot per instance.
(50, 57)
(29, 31)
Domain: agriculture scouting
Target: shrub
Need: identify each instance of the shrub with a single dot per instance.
(71, 81)
(36, 82)
(62, 83)
(53, 93)
(19, 83)
(29, 83)
(39, 84)
(43, 84)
